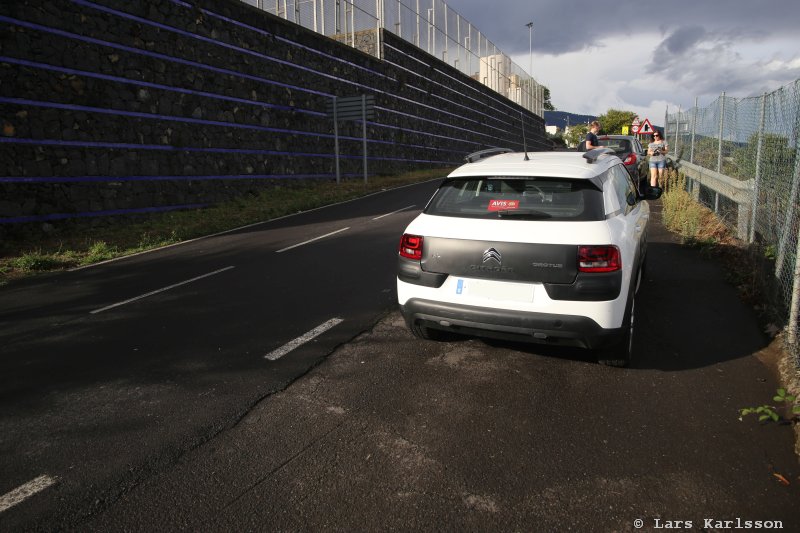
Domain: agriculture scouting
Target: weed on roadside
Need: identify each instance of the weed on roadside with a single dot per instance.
(788, 412)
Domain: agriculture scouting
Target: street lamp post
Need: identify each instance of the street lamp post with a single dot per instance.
(530, 67)
(530, 47)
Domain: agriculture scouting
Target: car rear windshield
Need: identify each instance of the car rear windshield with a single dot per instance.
(618, 145)
(516, 198)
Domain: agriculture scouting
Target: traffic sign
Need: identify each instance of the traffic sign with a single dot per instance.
(635, 122)
(635, 128)
(646, 128)
(352, 107)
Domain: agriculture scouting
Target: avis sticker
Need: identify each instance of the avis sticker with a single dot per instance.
(503, 205)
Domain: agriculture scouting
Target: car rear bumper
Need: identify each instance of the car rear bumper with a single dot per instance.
(567, 330)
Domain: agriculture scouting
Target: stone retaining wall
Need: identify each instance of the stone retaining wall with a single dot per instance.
(115, 107)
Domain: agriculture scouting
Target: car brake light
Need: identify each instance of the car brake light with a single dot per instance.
(411, 247)
(630, 160)
(599, 258)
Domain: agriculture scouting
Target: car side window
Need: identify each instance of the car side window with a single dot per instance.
(624, 187)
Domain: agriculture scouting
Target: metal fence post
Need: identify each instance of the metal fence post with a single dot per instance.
(445, 57)
(379, 14)
(794, 311)
(352, 24)
(791, 337)
(416, 35)
(757, 177)
(364, 129)
(336, 140)
(677, 129)
(721, 126)
(790, 214)
(433, 28)
(694, 129)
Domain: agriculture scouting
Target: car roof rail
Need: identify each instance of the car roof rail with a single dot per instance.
(593, 155)
(477, 156)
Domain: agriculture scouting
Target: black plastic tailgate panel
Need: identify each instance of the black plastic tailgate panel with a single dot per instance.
(509, 261)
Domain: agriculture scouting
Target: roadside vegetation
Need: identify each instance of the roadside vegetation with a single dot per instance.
(698, 226)
(72, 245)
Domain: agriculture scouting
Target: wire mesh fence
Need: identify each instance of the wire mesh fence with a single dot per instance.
(431, 25)
(754, 141)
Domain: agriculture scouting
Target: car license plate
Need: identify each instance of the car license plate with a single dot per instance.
(495, 290)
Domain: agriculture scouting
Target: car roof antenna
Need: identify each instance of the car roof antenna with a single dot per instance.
(524, 143)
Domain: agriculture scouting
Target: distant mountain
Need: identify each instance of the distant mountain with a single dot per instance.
(562, 119)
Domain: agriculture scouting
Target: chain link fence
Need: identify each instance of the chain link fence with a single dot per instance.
(740, 155)
(430, 25)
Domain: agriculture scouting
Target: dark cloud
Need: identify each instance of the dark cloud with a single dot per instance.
(683, 45)
(562, 26)
(708, 63)
(681, 40)
(679, 49)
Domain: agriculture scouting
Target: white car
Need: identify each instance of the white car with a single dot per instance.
(544, 247)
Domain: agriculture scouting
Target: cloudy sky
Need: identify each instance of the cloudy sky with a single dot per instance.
(645, 56)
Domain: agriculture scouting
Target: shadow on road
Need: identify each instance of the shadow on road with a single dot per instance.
(687, 316)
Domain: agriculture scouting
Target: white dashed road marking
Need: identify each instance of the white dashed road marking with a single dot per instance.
(291, 345)
(151, 293)
(393, 212)
(22, 493)
(312, 240)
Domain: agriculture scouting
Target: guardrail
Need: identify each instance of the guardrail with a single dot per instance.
(721, 187)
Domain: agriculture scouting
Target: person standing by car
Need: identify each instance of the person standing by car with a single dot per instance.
(657, 150)
(591, 137)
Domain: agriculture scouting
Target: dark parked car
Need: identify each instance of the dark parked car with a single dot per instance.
(632, 153)
(630, 150)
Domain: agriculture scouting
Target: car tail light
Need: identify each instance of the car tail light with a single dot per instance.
(411, 246)
(630, 160)
(599, 258)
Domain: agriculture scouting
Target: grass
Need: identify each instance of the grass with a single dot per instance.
(748, 267)
(71, 245)
(695, 223)
(698, 226)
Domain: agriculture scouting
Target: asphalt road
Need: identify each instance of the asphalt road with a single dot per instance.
(164, 415)
(110, 374)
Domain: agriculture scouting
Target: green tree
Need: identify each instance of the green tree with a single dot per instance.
(576, 134)
(557, 140)
(548, 105)
(706, 150)
(776, 157)
(612, 122)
